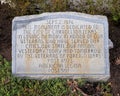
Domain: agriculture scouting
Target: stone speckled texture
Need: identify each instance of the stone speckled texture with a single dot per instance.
(62, 44)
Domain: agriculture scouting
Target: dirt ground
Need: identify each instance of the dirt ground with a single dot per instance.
(5, 31)
(114, 35)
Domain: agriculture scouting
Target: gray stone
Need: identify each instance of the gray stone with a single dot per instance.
(62, 44)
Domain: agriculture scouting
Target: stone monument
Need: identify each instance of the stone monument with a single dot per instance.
(61, 44)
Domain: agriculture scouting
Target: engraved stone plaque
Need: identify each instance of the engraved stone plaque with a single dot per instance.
(62, 44)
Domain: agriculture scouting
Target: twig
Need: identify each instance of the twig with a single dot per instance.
(73, 84)
(84, 94)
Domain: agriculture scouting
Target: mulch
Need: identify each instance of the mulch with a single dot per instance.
(114, 35)
(5, 31)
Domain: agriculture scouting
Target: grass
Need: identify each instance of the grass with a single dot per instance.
(16, 86)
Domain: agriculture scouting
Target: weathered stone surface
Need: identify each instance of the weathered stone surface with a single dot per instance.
(63, 44)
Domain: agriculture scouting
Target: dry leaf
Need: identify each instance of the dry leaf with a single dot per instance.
(117, 61)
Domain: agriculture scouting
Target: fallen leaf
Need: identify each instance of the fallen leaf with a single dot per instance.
(117, 62)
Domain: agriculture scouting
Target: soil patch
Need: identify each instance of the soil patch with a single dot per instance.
(5, 30)
(114, 34)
